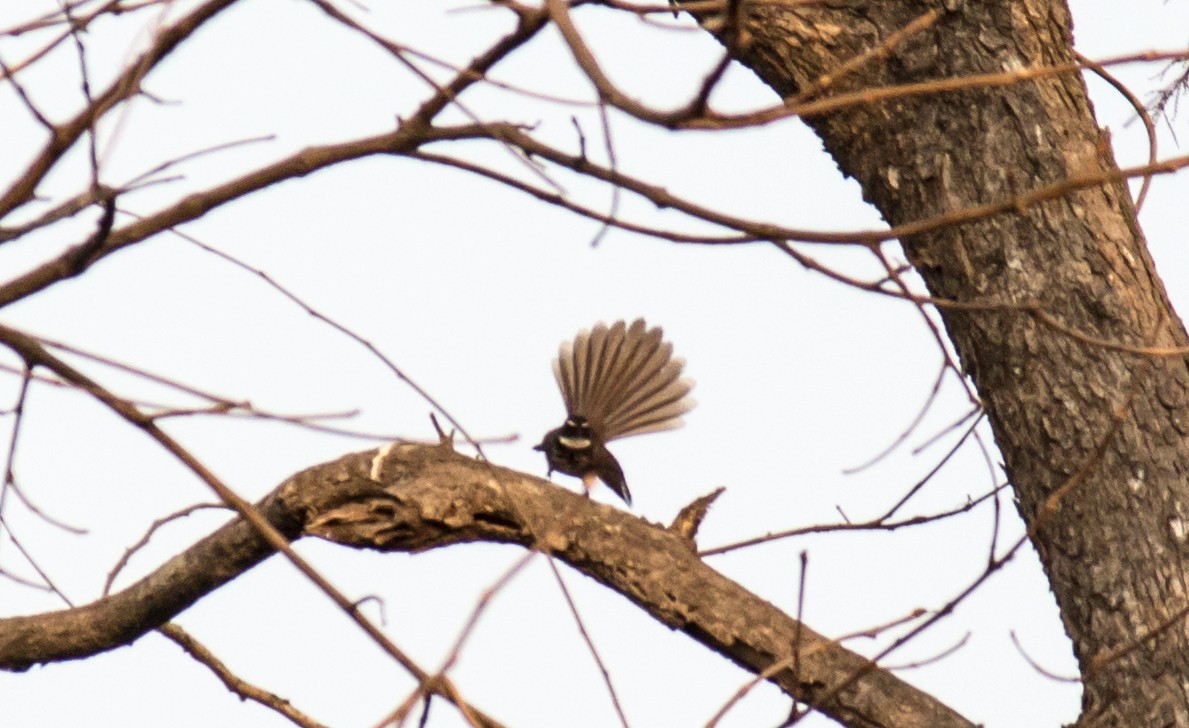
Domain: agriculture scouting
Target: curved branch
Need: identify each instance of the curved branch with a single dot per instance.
(122, 618)
(427, 497)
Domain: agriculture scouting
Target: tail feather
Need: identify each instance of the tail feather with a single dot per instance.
(650, 389)
(623, 380)
(643, 354)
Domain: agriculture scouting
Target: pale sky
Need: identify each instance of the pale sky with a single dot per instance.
(470, 288)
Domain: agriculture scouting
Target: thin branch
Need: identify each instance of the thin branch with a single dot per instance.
(448, 94)
(897, 278)
(371, 348)
(145, 176)
(782, 235)
(938, 657)
(6, 72)
(1036, 665)
(877, 524)
(560, 200)
(36, 355)
(244, 689)
(1140, 112)
(907, 431)
(61, 211)
(46, 582)
(126, 85)
(867, 97)
(219, 405)
(144, 540)
(420, 693)
(18, 416)
(612, 164)
(590, 645)
(40, 512)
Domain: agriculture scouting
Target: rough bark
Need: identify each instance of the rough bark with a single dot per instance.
(1093, 437)
(425, 497)
(122, 618)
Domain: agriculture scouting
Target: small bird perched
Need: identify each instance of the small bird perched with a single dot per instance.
(616, 381)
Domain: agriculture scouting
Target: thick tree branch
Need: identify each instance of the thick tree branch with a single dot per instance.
(1114, 549)
(123, 617)
(272, 535)
(427, 497)
(408, 136)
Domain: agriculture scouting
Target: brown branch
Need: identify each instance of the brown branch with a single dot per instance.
(507, 133)
(63, 210)
(397, 716)
(218, 404)
(1103, 659)
(560, 200)
(269, 533)
(589, 642)
(407, 137)
(82, 22)
(877, 524)
(695, 115)
(1072, 680)
(18, 417)
(1140, 111)
(144, 540)
(244, 689)
(908, 431)
(346, 331)
(881, 94)
(432, 497)
(126, 85)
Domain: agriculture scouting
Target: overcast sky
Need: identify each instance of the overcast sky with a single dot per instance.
(470, 288)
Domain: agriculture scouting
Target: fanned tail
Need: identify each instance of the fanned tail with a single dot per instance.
(623, 380)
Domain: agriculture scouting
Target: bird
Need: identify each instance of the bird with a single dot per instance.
(615, 381)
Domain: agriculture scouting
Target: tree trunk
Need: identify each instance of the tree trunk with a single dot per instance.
(1093, 436)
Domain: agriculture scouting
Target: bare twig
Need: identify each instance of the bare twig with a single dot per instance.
(590, 645)
(36, 355)
(878, 524)
(244, 689)
(1140, 111)
(1036, 665)
(122, 88)
(143, 541)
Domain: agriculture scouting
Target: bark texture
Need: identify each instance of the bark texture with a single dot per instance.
(417, 497)
(122, 618)
(1094, 437)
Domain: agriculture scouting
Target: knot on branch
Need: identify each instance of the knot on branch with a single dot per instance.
(689, 519)
(407, 497)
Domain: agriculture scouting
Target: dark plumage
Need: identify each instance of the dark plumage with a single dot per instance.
(616, 381)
